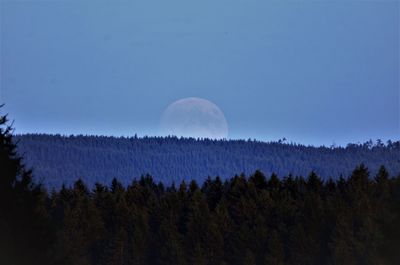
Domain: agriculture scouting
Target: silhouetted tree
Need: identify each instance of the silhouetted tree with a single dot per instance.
(26, 233)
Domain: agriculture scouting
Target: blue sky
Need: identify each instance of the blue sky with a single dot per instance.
(315, 72)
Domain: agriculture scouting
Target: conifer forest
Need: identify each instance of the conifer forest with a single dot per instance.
(58, 160)
(244, 219)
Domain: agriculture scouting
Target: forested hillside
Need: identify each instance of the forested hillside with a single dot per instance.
(59, 159)
(63, 159)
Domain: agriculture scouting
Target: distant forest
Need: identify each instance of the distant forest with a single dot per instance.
(58, 160)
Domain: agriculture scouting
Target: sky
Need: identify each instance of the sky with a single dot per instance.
(314, 72)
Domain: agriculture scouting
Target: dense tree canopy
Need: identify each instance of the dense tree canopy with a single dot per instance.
(243, 220)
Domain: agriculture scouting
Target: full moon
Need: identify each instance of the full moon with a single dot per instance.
(194, 117)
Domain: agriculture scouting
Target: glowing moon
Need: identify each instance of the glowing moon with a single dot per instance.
(194, 117)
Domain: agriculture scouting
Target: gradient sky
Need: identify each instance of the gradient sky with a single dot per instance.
(315, 72)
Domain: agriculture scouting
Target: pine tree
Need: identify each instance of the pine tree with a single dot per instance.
(213, 190)
(25, 227)
(259, 180)
(82, 227)
(198, 229)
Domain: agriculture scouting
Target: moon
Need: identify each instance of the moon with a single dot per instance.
(194, 117)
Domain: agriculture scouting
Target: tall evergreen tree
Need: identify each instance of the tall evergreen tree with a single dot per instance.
(26, 233)
(82, 227)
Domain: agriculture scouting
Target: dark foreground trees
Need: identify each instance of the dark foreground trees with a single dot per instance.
(240, 221)
(26, 233)
(243, 220)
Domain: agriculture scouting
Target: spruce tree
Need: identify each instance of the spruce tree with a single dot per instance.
(26, 232)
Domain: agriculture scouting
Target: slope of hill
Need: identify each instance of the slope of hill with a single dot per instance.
(63, 159)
